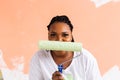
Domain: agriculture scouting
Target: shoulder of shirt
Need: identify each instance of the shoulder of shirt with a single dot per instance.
(86, 54)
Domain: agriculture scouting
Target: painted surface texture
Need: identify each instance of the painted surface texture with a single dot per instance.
(23, 23)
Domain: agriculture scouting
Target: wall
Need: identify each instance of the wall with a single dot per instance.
(23, 23)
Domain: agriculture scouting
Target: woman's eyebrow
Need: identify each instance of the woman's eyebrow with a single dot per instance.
(52, 32)
(65, 32)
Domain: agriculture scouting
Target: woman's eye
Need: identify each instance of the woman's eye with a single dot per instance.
(65, 35)
(52, 35)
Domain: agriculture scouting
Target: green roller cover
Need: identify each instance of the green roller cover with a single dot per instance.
(61, 46)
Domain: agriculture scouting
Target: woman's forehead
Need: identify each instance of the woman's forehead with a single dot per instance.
(59, 26)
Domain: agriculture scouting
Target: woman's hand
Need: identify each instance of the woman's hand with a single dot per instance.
(57, 76)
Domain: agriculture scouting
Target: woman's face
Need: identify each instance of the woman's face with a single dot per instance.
(60, 31)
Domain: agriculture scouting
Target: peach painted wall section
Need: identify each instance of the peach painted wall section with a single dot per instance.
(23, 23)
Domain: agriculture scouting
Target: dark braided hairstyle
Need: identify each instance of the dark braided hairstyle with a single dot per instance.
(62, 18)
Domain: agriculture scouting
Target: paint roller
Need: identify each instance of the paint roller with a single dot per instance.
(59, 45)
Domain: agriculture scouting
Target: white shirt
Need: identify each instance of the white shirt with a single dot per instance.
(84, 67)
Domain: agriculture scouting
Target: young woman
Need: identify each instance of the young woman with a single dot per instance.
(44, 64)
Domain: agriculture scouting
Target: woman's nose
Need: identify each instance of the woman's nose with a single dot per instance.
(59, 38)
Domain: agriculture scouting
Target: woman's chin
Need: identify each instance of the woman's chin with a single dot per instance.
(59, 52)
